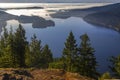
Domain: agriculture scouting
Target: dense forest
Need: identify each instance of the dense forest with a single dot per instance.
(17, 52)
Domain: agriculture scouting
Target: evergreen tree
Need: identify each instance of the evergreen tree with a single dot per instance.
(69, 52)
(46, 56)
(28, 56)
(87, 61)
(20, 45)
(4, 56)
(4, 37)
(10, 48)
(35, 51)
(106, 75)
(5, 32)
(115, 67)
(6, 46)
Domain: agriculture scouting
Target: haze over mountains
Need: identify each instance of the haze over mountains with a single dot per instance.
(107, 16)
(59, 1)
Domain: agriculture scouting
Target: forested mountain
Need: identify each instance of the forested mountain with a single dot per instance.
(107, 16)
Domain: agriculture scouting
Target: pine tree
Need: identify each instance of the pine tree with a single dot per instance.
(87, 61)
(5, 46)
(11, 49)
(4, 57)
(28, 56)
(20, 44)
(46, 56)
(4, 37)
(35, 51)
(69, 52)
(115, 67)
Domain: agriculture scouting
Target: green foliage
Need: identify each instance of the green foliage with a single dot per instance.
(87, 61)
(115, 67)
(5, 60)
(46, 56)
(15, 50)
(69, 52)
(34, 52)
(105, 76)
(6, 48)
(28, 57)
(57, 64)
(79, 59)
(36, 55)
(20, 44)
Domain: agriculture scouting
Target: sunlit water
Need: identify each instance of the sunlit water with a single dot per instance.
(47, 7)
(106, 42)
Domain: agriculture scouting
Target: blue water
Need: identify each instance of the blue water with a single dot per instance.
(106, 42)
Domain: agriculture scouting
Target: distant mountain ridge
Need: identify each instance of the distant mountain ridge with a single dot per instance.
(108, 16)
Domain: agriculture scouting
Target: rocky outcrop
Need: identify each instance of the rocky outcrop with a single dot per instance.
(39, 74)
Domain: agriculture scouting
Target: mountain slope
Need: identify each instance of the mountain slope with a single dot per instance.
(108, 16)
(39, 74)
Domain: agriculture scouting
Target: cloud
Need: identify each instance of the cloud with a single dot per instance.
(45, 1)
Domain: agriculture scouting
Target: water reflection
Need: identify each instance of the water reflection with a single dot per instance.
(37, 22)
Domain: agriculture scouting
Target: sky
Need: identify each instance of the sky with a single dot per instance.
(47, 1)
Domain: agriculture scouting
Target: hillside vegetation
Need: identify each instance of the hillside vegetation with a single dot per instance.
(107, 16)
(26, 60)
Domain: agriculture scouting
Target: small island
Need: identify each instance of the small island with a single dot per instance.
(37, 22)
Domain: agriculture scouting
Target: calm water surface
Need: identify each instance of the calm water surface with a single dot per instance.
(106, 42)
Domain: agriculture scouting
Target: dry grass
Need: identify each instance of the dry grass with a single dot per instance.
(41, 74)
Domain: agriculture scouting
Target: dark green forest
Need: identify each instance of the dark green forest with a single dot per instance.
(17, 52)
